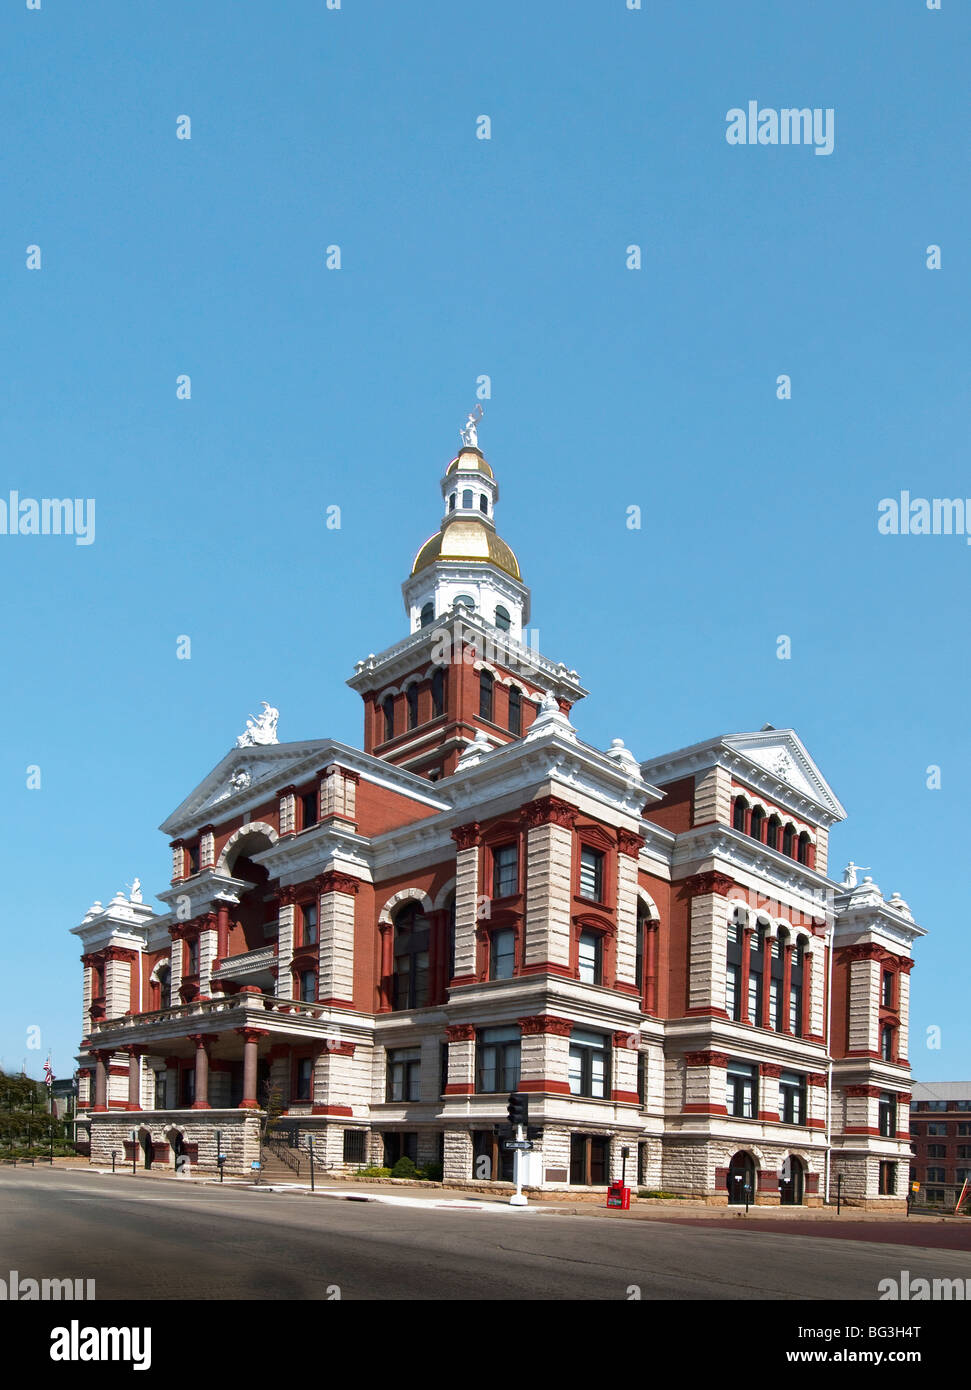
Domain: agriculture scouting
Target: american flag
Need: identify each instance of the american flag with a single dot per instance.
(48, 1074)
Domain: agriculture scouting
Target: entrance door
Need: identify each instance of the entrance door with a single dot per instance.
(741, 1176)
(148, 1149)
(791, 1188)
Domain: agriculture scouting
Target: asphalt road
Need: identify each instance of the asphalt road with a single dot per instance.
(148, 1239)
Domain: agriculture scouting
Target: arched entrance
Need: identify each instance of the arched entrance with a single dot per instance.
(792, 1182)
(148, 1148)
(741, 1179)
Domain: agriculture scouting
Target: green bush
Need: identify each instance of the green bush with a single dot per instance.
(432, 1172)
(404, 1168)
(647, 1192)
(373, 1172)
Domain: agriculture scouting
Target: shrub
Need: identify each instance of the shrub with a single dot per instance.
(647, 1192)
(404, 1168)
(373, 1172)
(432, 1172)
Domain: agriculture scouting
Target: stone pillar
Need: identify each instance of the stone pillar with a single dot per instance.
(100, 1081)
(386, 930)
(134, 1077)
(628, 850)
(461, 1060)
(207, 847)
(545, 1054)
(903, 1009)
(651, 929)
(769, 1075)
(623, 1084)
(549, 884)
(466, 838)
(336, 893)
(710, 908)
(786, 986)
(704, 1087)
(201, 1041)
(251, 1041)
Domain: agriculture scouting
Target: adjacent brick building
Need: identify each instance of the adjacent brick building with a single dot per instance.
(393, 938)
(940, 1133)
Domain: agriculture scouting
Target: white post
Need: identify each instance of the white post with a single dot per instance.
(518, 1199)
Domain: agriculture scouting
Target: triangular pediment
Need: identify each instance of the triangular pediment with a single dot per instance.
(233, 779)
(782, 754)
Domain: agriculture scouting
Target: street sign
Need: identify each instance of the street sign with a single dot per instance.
(522, 1144)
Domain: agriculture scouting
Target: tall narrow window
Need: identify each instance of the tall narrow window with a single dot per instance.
(886, 1042)
(803, 848)
(411, 945)
(739, 809)
(192, 957)
(427, 614)
(797, 972)
(773, 826)
(308, 925)
(502, 954)
(412, 697)
(591, 874)
(387, 705)
(515, 710)
(888, 989)
(502, 618)
(733, 968)
(483, 503)
(887, 1115)
(741, 1097)
(757, 947)
(792, 1098)
(304, 1079)
(757, 827)
(486, 684)
(438, 692)
(789, 840)
(468, 501)
(404, 1074)
(505, 871)
(776, 969)
(451, 501)
(590, 958)
(309, 804)
(307, 986)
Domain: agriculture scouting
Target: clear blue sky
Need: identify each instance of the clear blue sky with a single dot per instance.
(611, 387)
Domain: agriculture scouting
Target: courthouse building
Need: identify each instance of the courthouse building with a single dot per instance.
(386, 941)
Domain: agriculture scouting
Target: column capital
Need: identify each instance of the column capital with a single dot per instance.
(460, 1032)
(711, 882)
(466, 836)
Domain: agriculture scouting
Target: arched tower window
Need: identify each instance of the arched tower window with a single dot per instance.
(739, 810)
(468, 499)
(438, 692)
(483, 503)
(803, 847)
(789, 840)
(411, 943)
(412, 698)
(387, 706)
(486, 684)
(757, 829)
(502, 618)
(427, 614)
(451, 501)
(515, 710)
(465, 600)
(772, 829)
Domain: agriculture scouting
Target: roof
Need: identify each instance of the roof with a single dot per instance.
(467, 540)
(941, 1090)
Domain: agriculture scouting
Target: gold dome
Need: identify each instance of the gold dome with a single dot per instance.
(479, 464)
(467, 540)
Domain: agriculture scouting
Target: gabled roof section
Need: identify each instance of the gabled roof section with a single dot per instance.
(782, 754)
(246, 775)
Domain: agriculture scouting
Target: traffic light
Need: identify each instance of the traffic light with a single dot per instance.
(518, 1109)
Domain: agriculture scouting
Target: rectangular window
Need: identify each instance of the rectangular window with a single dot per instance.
(355, 1145)
(888, 989)
(962, 1175)
(308, 810)
(192, 957)
(442, 1067)
(589, 1064)
(936, 1175)
(938, 1151)
(964, 1150)
(193, 853)
(485, 695)
(733, 982)
(792, 1098)
(188, 1087)
(741, 1092)
(589, 1160)
(939, 1128)
(775, 1004)
(502, 954)
(590, 958)
(304, 1078)
(515, 711)
(505, 871)
(591, 874)
(404, 1074)
(888, 1179)
(886, 1043)
(888, 1115)
(308, 986)
(308, 925)
(497, 1052)
(642, 1080)
(964, 1129)
(755, 993)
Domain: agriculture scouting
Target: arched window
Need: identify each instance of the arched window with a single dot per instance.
(515, 710)
(412, 698)
(483, 503)
(502, 618)
(739, 810)
(468, 500)
(451, 501)
(387, 705)
(757, 828)
(789, 840)
(796, 977)
(486, 684)
(776, 969)
(741, 1179)
(411, 941)
(465, 600)
(640, 947)
(427, 614)
(803, 847)
(438, 692)
(734, 1003)
(772, 829)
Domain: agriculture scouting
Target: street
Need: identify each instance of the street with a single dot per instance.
(155, 1239)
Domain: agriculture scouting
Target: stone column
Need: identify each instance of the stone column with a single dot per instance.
(705, 1083)
(461, 1059)
(628, 848)
(786, 986)
(386, 930)
(769, 1075)
(466, 838)
(134, 1077)
(549, 884)
(335, 937)
(100, 1081)
(251, 1041)
(650, 946)
(201, 1041)
(710, 909)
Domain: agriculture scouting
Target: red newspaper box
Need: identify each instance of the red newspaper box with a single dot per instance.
(618, 1196)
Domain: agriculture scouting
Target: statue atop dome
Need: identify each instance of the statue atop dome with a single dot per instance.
(470, 437)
